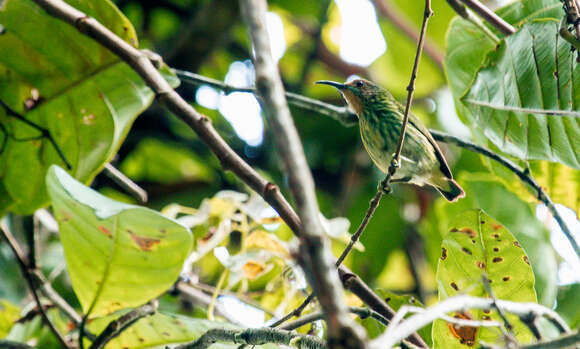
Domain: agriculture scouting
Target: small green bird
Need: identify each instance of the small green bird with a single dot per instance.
(380, 118)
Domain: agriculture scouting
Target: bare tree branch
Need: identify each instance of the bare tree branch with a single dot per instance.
(564, 341)
(254, 336)
(315, 256)
(363, 313)
(490, 17)
(125, 183)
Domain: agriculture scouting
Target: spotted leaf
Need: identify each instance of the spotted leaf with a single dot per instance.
(476, 245)
(117, 255)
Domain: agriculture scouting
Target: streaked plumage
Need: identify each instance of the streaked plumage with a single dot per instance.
(380, 119)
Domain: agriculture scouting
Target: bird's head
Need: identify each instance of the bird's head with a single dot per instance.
(357, 93)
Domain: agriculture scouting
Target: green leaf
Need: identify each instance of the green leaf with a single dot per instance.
(117, 255)
(499, 201)
(477, 244)
(395, 301)
(524, 96)
(9, 313)
(461, 64)
(569, 303)
(162, 329)
(510, 93)
(560, 182)
(65, 82)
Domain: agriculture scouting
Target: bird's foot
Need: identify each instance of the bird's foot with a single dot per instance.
(385, 187)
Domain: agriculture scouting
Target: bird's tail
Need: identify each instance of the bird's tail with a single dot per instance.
(449, 188)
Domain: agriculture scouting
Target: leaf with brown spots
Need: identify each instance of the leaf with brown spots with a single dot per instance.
(91, 96)
(144, 243)
(472, 250)
(112, 247)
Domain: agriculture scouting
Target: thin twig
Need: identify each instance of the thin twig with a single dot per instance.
(314, 256)
(125, 183)
(44, 133)
(363, 313)
(564, 341)
(508, 333)
(374, 203)
(340, 114)
(117, 326)
(395, 334)
(386, 9)
(410, 89)
(490, 17)
(23, 264)
(354, 284)
(255, 336)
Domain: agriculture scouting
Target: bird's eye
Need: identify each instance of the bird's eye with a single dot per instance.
(359, 84)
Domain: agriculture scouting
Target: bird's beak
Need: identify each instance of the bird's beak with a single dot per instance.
(332, 83)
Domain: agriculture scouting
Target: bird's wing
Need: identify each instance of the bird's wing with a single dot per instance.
(415, 122)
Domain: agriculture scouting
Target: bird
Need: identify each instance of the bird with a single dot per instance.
(380, 118)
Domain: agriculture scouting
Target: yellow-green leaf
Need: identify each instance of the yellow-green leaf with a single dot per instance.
(117, 255)
(476, 244)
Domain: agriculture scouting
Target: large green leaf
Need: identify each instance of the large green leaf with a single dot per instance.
(161, 329)
(524, 96)
(61, 80)
(476, 244)
(520, 111)
(499, 201)
(117, 255)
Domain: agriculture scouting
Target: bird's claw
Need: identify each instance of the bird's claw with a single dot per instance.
(385, 187)
(395, 163)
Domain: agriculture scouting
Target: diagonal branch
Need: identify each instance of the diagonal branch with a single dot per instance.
(44, 133)
(315, 255)
(490, 17)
